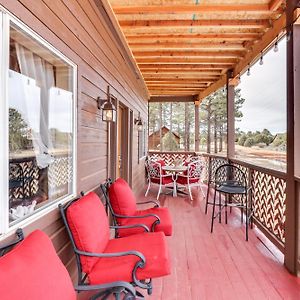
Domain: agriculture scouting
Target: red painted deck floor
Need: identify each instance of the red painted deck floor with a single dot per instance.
(221, 265)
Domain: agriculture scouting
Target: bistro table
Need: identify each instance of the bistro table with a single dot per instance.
(174, 170)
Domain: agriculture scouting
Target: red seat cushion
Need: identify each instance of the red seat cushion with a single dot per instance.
(32, 270)
(162, 212)
(184, 180)
(152, 245)
(165, 180)
(122, 198)
(89, 226)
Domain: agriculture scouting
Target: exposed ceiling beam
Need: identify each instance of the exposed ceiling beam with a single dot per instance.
(266, 40)
(192, 23)
(173, 98)
(176, 71)
(174, 80)
(176, 45)
(212, 88)
(169, 9)
(192, 60)
(192, 37)
(183, 66)
(178, 75)
(173, 53)
(275, 4)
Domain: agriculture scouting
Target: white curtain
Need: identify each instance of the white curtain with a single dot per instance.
(35, 67)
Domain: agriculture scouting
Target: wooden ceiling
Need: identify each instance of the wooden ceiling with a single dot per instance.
(186, 47)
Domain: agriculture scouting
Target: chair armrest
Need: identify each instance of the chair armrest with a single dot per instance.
(127, 286)
(150, 201)
(156, 222)
(130, 226)
(20, 237)
(111, 255)
(138, 217)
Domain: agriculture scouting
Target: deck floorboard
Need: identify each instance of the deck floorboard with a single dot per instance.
(221, 265)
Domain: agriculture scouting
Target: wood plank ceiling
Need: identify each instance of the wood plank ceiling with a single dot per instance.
(185, 47)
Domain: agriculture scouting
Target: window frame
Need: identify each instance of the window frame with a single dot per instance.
(6, 19)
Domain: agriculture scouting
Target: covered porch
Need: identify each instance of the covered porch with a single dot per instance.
(133, 54)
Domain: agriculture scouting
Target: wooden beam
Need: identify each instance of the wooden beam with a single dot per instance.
(172, 99)
(202, 84)
(265, 41)
(194, 60)
(195, 23)
(275, 4)
(157, 45)
(212, 88)
(192, 37)
(179, 70)
(224, 53)
(182, 65)
(179, 76)
(170, 9)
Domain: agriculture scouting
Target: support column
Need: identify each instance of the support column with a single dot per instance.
(292, 214)
(197, 127)
(230, 116)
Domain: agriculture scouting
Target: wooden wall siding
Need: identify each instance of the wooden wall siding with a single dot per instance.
(77, 29)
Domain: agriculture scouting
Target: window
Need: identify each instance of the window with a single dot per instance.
(39, 109)
(261, 125)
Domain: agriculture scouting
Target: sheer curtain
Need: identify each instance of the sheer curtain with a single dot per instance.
(35, 67)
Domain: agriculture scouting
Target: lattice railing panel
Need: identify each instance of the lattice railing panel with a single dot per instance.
(269, 196)
(170, 158)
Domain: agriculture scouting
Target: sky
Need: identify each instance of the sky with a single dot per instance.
(265, 93)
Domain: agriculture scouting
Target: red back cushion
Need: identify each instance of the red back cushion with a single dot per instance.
(162, 163)
(122, 198)
(89, 226)
(193, 167)
(32, 270)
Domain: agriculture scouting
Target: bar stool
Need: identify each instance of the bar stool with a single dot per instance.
(230, 180)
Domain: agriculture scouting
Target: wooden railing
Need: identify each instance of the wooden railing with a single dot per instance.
(268, 191)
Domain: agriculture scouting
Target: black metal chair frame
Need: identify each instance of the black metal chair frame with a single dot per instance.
(115, 288)
(78, 253)
(232, 185)
(210, 183)
(105, 188)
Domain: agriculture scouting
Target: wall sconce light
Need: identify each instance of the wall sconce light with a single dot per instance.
(138, 121)
(109, 112)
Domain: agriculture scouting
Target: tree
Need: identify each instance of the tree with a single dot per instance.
(18, 131)
(249, 142)
(214, 115)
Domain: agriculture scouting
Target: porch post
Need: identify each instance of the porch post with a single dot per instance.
(292, 214)
(197, 137)
(230, 116)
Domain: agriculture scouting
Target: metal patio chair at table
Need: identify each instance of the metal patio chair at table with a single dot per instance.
(124, 210)
(135, 259)
(156, 175)
(231, 182)
(192, 177)
(32, 270)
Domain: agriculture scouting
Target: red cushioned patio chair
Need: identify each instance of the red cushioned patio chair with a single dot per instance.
(32, 270)
(134, 259)
(156, 175)
(192, 177)
(123, 207)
